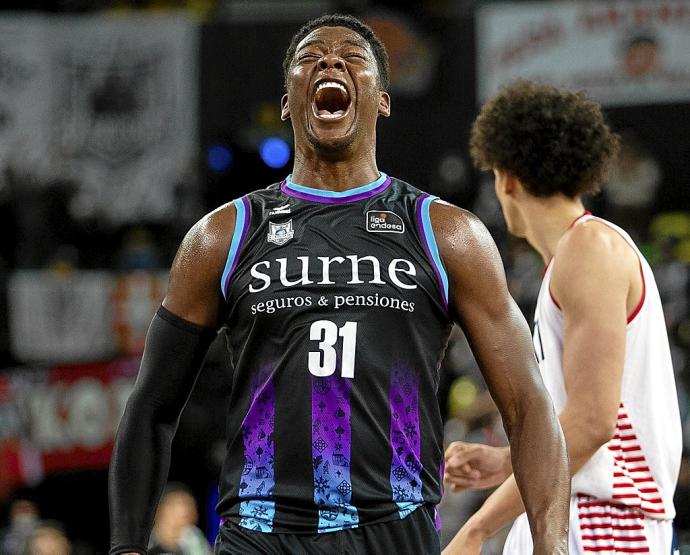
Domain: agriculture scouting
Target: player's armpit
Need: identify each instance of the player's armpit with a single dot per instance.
(479, 300)
(501, 343)
(194, 291)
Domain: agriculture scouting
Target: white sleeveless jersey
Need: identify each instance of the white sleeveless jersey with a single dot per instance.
(639, 466)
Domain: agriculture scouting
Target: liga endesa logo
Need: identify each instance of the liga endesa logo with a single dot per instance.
(383, 221)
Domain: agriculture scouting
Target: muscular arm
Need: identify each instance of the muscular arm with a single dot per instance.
(501, 343)
(591, 282)
(176, 345)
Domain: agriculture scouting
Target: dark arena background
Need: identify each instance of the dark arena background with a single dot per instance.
(123, 122)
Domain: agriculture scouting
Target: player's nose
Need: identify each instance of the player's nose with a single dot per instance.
(329, 61)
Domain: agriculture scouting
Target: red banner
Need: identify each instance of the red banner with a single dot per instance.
(60, 418)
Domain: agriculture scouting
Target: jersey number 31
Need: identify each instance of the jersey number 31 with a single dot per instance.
(323, 362)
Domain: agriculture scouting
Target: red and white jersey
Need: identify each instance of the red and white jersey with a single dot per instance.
(639, 466)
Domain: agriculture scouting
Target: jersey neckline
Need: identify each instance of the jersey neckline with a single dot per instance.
(311, 194)
(576, 220)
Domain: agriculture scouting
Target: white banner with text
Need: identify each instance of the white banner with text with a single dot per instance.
(621, 53)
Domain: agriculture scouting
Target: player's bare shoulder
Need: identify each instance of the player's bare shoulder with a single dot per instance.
(206, 244)
(472, 261)
(593, 259)
(460, 234)
(594, 244)
(194, 292)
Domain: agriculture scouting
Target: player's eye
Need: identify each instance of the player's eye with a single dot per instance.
(355, 55)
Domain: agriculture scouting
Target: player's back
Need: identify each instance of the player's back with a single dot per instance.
(639, 466)
(338, 306)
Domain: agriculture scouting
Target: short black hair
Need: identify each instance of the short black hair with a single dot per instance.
(350, 22)
(637, 40)
(553, 140)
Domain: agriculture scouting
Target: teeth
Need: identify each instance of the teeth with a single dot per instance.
(335, 115)
(325, 84)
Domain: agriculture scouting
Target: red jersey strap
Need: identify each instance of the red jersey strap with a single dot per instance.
(642, 297)
(638, 308)
(585, 213)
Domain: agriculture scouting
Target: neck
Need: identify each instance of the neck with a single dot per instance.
(547, 220)
(336, 173)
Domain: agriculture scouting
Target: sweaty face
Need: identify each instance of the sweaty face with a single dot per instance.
(333, 96)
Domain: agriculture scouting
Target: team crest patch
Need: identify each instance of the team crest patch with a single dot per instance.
(383, 221)
(280, 233)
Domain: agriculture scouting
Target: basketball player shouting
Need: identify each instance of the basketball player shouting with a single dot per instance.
(599, 335)
(339, 286)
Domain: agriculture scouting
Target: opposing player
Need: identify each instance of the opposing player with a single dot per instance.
(339, 286)
(599, 335)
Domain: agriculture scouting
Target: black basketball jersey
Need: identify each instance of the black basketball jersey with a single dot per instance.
(337, 309)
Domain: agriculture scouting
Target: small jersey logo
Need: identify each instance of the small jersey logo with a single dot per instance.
(280, 233)
(383, 221)
(279, 210)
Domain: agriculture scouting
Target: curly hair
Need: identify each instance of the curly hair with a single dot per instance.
(350, 22)
(553, 140)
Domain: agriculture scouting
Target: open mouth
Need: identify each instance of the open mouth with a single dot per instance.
(331, 100)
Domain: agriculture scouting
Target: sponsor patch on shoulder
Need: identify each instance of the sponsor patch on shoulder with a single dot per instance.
(383, 221)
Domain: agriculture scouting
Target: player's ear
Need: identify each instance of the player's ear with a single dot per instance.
(284, 108)
(504, 181)
(508, 183)
(384, 104)
(511, 184)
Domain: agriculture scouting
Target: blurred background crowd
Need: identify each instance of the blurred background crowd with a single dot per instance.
(123, 122)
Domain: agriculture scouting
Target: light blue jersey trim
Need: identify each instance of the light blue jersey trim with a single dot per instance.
(257, 514)
(406, 508)
(339, 518)
(335, 194)
(430, 239)
(241, 224)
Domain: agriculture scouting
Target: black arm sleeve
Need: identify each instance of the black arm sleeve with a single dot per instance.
(173, 355)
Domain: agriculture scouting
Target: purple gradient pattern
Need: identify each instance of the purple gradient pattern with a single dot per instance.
(331, 446)
(437, 514)
(406, 466)
(258, 478)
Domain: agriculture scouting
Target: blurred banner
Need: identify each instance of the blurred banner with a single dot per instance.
(413, 56)
(622, 53)
(107, 103)
(60, 418)
(25, 74)
(55, 318)
(83, 315)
